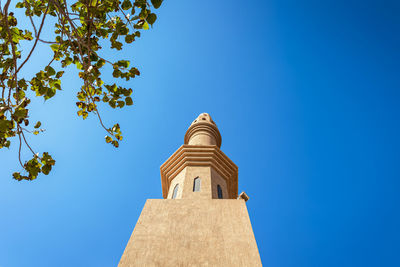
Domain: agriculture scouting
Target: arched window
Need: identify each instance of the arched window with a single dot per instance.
(219, 190)
(175, 191)
(196, 184)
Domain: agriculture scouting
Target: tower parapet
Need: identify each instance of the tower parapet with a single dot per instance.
(203, 131)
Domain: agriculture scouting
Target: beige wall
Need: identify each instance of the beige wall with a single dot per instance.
(218, 180)
(192, 232)
(179, 179)
(202, 138)
(208, 188)
(204, 174)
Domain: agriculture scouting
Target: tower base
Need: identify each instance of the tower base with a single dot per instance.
(192, 232)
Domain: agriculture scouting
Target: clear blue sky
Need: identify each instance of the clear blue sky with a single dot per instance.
(306, 96)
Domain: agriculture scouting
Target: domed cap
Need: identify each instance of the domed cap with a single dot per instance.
(203, 117)
(203, 131)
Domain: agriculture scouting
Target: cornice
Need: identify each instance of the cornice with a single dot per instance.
(188, 155)
(203, 126)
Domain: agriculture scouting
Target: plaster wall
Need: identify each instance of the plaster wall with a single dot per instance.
(202, 138)
(192, 232)
(179, 179)
(204, 173)
(218, 180)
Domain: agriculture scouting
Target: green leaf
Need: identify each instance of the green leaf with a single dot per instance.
(17, 176)
(84, 114)
(6, 125)
(20, 94)
(129, 101)
(156, 3)
(119, 137)
(46, 169)
(66, 62)
(20, 114)
(116, 128)
(50, 70)
(130, 38)
(81, 96)
(33, 167)
(22, 84)
(55, 47)
(123, 63)
(100, 63)
(16, 35)
(79, 65)
(117, 45)
(112, 103)
(126, 4)
(42, 90)
(47, 159)
(28, 35)
(38, 124)
(121, 104)
(51, 91)
(57, 84)
(116, 73)
(151, 18)
(127, 92)
(59, 74)
(115, 143)
(108, 139)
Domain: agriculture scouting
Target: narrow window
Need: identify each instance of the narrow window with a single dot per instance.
(196, 184)
(219, 189)
(175, 191)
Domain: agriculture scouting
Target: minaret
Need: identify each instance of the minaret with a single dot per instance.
(200, 162)
(201, 221)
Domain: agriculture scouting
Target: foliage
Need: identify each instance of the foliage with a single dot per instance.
(79, 28)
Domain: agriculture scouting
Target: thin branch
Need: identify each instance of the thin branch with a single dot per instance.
(13, 51)
(133, 28)
(33, 24)
(37, 39)
(36, 34)
(6, 6)
(26, 142)
(47, 42)
(19, 150)
(100, 120)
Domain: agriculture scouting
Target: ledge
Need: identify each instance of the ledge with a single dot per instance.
(203, 126)
(212, 156)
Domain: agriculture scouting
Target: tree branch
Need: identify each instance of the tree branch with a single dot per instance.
(37, 39)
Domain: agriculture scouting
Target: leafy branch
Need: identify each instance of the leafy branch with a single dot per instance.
(80, 30)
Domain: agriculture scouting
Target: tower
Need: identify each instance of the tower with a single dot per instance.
(201, 221)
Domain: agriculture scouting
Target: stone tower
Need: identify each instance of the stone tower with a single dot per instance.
(201, 221)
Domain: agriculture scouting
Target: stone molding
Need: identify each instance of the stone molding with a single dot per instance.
(207, 127)
(188, 155)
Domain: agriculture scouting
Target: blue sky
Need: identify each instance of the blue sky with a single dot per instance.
(306, 96)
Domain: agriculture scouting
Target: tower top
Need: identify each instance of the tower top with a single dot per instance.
(203, 131)
(200, 161)
(203, 117)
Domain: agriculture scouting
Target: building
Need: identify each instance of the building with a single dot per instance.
(201, 221)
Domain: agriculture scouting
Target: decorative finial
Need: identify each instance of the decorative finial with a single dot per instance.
(203, 117)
